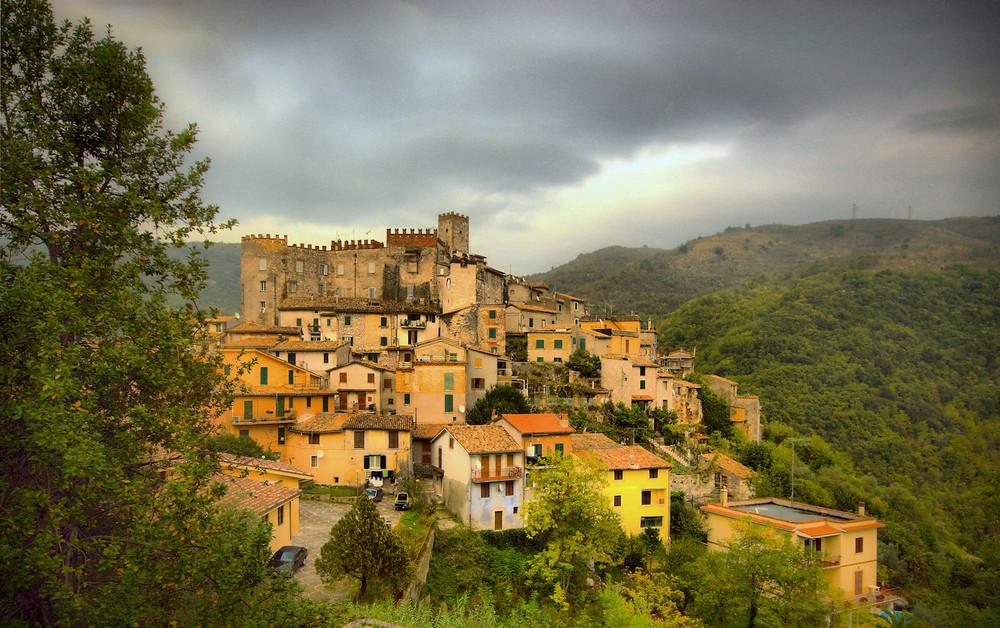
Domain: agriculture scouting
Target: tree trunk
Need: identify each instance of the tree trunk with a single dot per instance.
(753, 612)
(364, 587)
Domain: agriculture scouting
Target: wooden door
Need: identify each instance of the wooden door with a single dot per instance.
(498, 520)
(858, 576)
(426, 458)
(486, 466)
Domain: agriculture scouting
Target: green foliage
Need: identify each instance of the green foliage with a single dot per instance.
(517, 347)
(585, 363)
(714, 410)
(657, 597)
(498, 400)
(364, 547)
(685, 520)
(470, 563)
(892, 378)
(759, 580)
(570, 511)
(237, 446)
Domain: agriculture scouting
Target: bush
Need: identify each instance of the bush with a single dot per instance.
(239, 446)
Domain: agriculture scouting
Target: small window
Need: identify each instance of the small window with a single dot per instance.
(343, 377)
(387, 384)
(654, 473)
(859, 545)
(324, 268)
(298, 322)
(371, 293)
(299, 266)
(263, 376)
(309, 402)
(340, 269)
(539, 359)
(647, 498)
(618, 501)
(451, 443)
(340, 293)
(509, 488)
(329, 322)
(347, 320)
(515, 510)
(281, 435)
(371, 378)
(261, 263)
(449, 403)
(281, 514)
(642, 384)
(383, 322)
(263, 306)
(291, 377)
(313, 461)
(393, 439)
(371, 268)
(406, 399)
(409, 292)
(478, 383)
(263, 286)
(619, 474)
(493, 315)
(359, 439)
(244, 433)
(642, 371)
(557, 344)
(510, 460)
(539, 344)
(559, 449)
(326, 358)
(293, 286)
(449, 381)
(383, 341)
(557, 359)
(314, 439)
(531, 322)
(492, 332)
(484, 490)
(651, 522)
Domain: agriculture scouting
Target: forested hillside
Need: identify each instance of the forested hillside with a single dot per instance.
(222, 288)
(654, 281)
(897, 370)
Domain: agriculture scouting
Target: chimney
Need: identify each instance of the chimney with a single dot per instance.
(861, 509)
(724, 496)
(563, 420)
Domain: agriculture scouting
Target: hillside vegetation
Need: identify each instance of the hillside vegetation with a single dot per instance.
(653, 281)
(898, 371)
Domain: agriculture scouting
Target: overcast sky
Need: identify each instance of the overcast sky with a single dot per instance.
(561, 127)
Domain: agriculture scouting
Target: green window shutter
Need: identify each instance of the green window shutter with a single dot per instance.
(449, 403)
(642, 384)
(539, 344)
(298, 322)
(583, 343)
(291, 376)
(493, 332)
(493, 314)
(384, 341)
(557, 344)
(406, 399)
(540, 359)
(382, 461)
(263, 376)
(248, 411)
(326, 403)
(279, 405)
(449, 381)
(347, 320)
(559, 449)
(367, 462)
(315, 322)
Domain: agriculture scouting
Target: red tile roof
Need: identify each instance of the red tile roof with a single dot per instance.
(548, 423)
(483, 439)
(428, 431)
(591, 440)
(309, 345)
(261, 464)
(626, 457)
(327, 422)
(728, 464)
(255, 495)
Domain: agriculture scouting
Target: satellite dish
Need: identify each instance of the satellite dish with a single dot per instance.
(461, 408)
(319, 454)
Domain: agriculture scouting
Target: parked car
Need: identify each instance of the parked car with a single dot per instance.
(374, 493)
(402, 501)
(289, 558)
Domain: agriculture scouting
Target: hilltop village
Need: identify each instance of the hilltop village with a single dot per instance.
(368, 364)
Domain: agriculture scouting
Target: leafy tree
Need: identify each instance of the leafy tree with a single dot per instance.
(570, 511)
(517, 348)
(715, 413)
(498, 400)
(585, 363)
(658, 597)
(685, 521)
(759, 580)
(239, 446)
(98, 375)
(364, 547)
(625, 423)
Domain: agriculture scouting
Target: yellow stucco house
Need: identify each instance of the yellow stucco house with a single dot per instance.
(638, 486)
(847, 542)
(347, 448)
(552, 344)
(274, 502)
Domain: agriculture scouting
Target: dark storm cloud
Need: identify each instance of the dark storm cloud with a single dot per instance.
(365, 113)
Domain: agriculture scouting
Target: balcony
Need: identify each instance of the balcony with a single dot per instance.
(264, 420)
(493, 475)
(412, 324)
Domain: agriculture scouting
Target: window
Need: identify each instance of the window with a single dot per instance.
(619, 474)
(654, 473)
(387, 384)
(859, 545)
(583, 343)
(340, 293)
(447, 282)
(281, 435)
(293, 286)
(515, 510)
(340, 269)
(493, 315)
(492, 332)
(539, 344)
(359, 439)
(371, 268)
(326, 403)
(313, 461)
(371, 293)
(451, 443)
(326, 358)
(347, 320)
(510, 460)
(315, 324)
(261, 263)
(263, 376)
(449, 403)
(281, 514)
(309, 402)
(291, 376)
(559, 449)
(618, 501)
(478, 383)
(647, 498)
(557, 344)
(557, 359)
(329, 322)
(539, 359)
(298, 322)
(814, 544)
(642, 384)
(314, 439)
(406, 399)
(651, 522)
(324, 268)
(531, 322)
(263, 306)
(244, 433)
(393, 439)
(263, 286)
(409, 292)
(383, 322)
(371, 378)
(509, 486)
(383, 341)
(484, 490)
(299, 266)
(642, 371)
(343, 377)
(248, 410)
(449, 381)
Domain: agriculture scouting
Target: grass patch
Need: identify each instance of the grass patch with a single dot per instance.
(413, 526)
(333, 491)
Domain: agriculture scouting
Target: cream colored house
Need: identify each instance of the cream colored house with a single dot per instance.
(744, 410)
(363, 386)
(317, 356)
(432, 387)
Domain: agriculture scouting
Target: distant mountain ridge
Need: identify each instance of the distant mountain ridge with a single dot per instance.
(653, 281)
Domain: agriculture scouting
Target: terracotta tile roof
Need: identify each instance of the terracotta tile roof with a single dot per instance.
(352, 305)
(686, 384)
(728, 464)
(594, 332)
(249, 327)
(819, 531)
(643, 362)
(549, 423)
(367, 363)
(255, 495)
(531, 307)
(722, 379)
(253, 342)
(483, 439)
(680, 355)
(591, 440)
(309, 345)
(327, 422)
(427, 431)
(261, 464)
(641, 398)
(627, 457)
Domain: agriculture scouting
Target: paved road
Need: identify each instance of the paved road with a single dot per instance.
(315, 520)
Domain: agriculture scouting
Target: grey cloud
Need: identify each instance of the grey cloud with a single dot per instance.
(968, 119)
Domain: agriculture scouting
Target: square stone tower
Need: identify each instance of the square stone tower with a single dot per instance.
(453, 230)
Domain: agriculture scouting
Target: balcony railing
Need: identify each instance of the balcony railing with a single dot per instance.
(267, 418)
(412, 324)
(490, 475)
